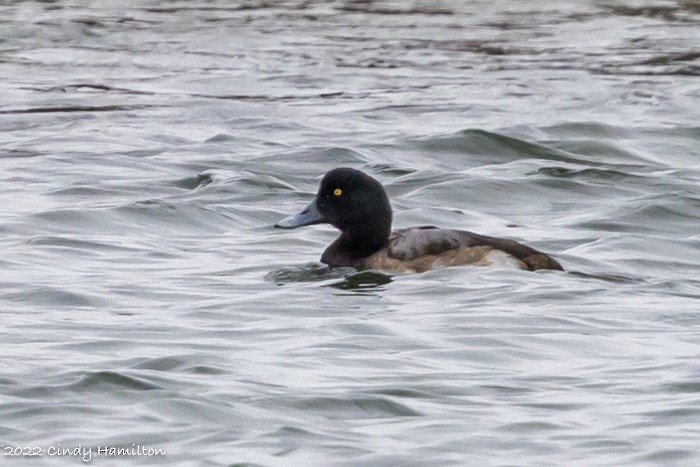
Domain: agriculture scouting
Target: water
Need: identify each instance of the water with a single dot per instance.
(147, 301)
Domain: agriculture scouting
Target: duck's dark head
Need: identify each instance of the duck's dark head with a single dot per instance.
(353, 202)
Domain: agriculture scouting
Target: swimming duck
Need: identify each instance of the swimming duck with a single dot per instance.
(358, 206)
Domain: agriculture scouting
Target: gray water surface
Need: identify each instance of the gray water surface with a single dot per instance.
(148, 148)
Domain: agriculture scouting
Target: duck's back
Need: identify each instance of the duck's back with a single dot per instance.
(421, 248)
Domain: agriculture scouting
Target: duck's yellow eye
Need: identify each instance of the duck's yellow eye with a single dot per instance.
(337, 192)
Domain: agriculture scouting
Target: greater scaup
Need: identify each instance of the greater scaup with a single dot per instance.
(358, 206)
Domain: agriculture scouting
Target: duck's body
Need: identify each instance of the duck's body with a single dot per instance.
(418, 249)
(357, 204)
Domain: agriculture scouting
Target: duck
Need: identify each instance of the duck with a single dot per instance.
(358, 206)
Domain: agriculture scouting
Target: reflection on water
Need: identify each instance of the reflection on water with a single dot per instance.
(311, 272)
(339, 278)
(364, 281)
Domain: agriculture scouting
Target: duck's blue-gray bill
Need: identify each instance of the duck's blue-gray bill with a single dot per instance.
(307, 216)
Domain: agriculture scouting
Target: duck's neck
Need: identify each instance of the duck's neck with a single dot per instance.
(355, 245)
(365, 242)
